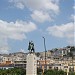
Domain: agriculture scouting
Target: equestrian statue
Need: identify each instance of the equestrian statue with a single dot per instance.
(31, 47)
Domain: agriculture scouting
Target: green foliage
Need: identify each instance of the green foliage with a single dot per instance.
(37, 54)
(55, 49)
(13, 71)
(39, 71)
(72, 73)
(70, 54)
(54, 72)
(72, 48)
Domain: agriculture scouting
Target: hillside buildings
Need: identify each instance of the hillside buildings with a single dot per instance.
(58, 58)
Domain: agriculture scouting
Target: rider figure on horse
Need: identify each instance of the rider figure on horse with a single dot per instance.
(31, 47)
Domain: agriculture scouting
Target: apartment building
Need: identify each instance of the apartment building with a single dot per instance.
(13, 60)
(55, 59)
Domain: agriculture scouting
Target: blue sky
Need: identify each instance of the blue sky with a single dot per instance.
(24, 20)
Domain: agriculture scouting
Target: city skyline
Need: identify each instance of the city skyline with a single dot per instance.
(24, 20)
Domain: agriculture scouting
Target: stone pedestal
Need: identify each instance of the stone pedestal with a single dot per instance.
(31, 68)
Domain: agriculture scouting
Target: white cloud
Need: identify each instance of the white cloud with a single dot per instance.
(62, 31)
(74, 7)
(40, 16)
(45, 7)
(18, 3)
(42, 5)
(4, 51)
(16, 31)
(4, 48)
(37, 4)
(22, 50)
(73, 17)
(55, 1)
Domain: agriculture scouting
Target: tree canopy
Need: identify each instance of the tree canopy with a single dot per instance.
(13, 71)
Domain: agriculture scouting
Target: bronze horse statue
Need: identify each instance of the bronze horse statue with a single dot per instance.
(31, 47)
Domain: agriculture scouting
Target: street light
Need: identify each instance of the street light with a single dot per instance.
(45, 51)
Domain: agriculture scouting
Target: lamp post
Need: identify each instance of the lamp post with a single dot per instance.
(45, 51)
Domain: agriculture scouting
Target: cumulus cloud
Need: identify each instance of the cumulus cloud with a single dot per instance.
(14, 30)
(73, 17)
(18, 3)
(42, 5)
(45, 7)
(40, 16)
(4, 48)
(22, 50)
(4, 51)
(62, 31)
(36, 4)
(55, 1)
(74, 7)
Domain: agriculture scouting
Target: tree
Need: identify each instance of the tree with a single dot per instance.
(13, 71)
(60, 72)
(39, 71)
(54, 72)
(72, 48)
(55, 49)
(71, 73)
(37, 54)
